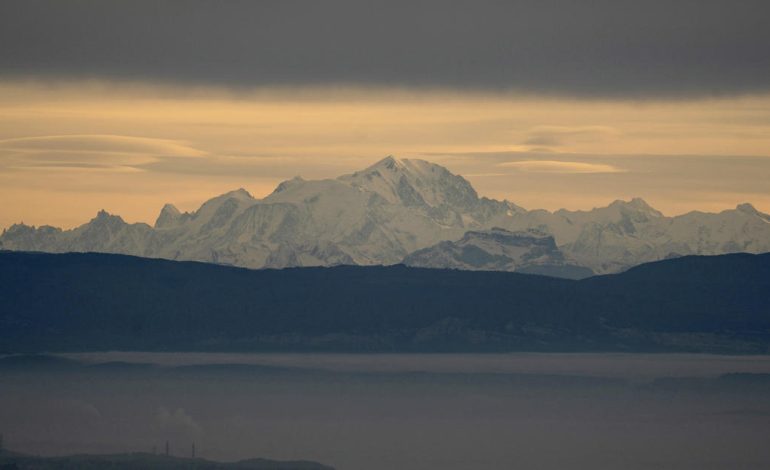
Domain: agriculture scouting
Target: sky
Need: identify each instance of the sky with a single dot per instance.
(128, 105)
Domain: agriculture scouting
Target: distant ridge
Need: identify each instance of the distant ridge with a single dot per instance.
(92, 302)
(530, 251)
(388, 211)
(132, 461)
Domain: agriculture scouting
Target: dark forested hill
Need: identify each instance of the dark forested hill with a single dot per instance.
(57, 302)
(13, 461)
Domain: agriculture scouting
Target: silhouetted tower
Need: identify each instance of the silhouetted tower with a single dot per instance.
(167, 452)
(1, 443)
(193, 450)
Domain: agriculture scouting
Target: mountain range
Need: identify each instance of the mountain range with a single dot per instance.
(406, 210)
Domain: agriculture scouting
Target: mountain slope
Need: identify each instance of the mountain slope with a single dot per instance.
(384, 213)
(112, 302)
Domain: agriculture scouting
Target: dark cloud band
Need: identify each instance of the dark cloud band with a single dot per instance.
(613, 48)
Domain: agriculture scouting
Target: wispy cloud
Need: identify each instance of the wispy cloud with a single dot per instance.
(552, 136)
(102, 143)
(91, 152)
(555, 166)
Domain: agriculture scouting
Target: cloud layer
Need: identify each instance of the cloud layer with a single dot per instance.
(611, 48)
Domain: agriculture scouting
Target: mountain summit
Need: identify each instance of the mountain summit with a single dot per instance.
(390, 210)
(414, 182)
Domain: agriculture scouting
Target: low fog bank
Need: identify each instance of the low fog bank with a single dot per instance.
(397, 411)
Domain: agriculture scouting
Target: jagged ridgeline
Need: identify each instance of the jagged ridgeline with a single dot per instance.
(406, 211)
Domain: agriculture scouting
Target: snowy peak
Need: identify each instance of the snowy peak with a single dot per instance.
(17, 236)
(747, 208)
(401, 182)
(288, 185)
(414, 182)
(637, 204)
(388, 163)
(616, 209)
(239, 194)
(239, 197)
(751, 211)
(104, 218)
(388, 178)
(169, 216)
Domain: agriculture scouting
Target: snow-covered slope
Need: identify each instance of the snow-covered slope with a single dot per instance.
(387, 211)
(500, 250)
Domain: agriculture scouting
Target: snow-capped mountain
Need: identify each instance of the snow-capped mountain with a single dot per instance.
(385, 212)
(498, 249)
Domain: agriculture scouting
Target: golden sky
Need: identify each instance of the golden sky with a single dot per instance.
(68, 149)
